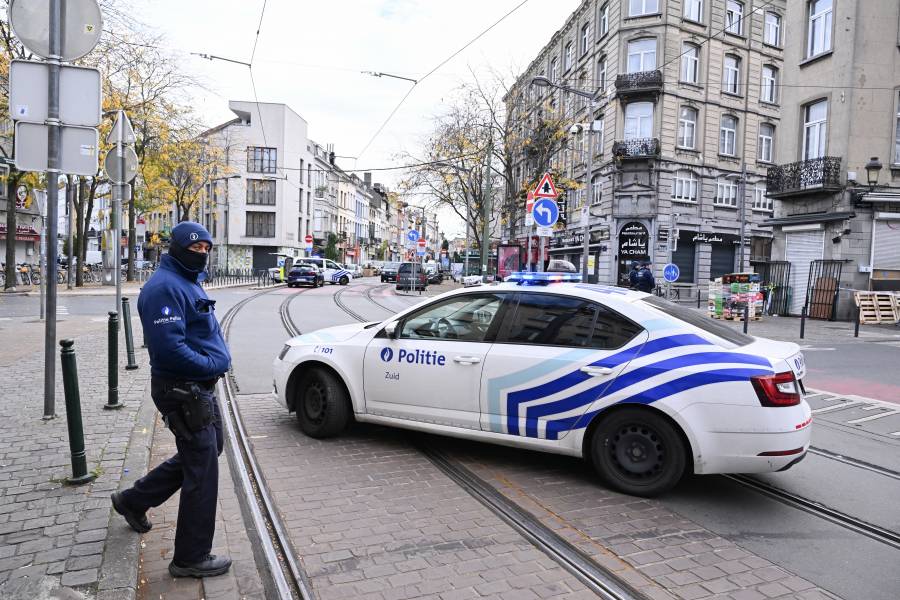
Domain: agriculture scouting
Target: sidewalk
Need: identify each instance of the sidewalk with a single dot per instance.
(130, 289)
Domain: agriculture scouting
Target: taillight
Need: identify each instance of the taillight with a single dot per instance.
(777, 390)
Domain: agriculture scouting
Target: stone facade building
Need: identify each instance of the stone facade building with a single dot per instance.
(841, 107)
(687, 109)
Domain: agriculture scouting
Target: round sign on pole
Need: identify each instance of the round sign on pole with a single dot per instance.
(422, 243)
(308, 239)
(671, 272)
(545, 212)
(112, 165)
(81, 26)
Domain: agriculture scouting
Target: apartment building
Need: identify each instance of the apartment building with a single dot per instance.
(840, 108)
(686, 115)
(259, 208)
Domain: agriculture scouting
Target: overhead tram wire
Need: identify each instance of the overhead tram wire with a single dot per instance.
(432, 71)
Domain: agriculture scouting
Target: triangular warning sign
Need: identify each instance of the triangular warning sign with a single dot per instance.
(545, 189)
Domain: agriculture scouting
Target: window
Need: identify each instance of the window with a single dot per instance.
(636, 8)
(897, 134)
(260, 224)
(549, 320)
(684, 188)
(760, 201)
(700, 320)
(261, 160)
(604, 19)
(769, 84)
(641, 55)
(819, 31)
(815, 129)
(599, 133)
(728, 135)
(554, 69)
(693, 10)
(690, 63)
(734, 15)
(638, 120)
(726, 192)
(585, 30)
(601, 73)
(687, 127)
(766, 142)
(731, 74)
(596, 190)
(772, 30)
(464, 318)
(569, 59)
(261, 191)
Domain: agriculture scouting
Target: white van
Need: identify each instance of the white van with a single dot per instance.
(334, 273)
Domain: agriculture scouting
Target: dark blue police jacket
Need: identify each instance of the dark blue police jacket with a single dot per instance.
(182, 334)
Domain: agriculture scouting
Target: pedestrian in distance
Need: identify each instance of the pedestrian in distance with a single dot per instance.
(645, 281)
(188, 355)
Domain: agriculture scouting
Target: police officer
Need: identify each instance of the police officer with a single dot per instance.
(188, 354)
(633, 274)
(645, 280)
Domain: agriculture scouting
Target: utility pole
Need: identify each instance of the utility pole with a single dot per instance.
(588, 197)
(486, 205)
(743, 215)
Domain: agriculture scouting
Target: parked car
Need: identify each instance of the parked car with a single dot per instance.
(305, 274)
(433, 273)
(389, 272)
(355, 270)
(411, 277)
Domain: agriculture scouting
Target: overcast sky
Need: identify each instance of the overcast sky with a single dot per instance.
(310, 55)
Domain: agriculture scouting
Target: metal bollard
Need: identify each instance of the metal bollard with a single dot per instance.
(80, 473)
(802, 322)
(856, 324)
(112, 401)
(129, 339)
(698, 296)
(746, 316)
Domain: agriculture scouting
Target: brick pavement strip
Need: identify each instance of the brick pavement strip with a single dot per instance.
(53, 535)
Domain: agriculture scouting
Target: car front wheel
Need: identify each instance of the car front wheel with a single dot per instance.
(344, 280)
(322, 405)
(638, 452)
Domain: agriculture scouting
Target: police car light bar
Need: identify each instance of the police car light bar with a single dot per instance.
(530, 278)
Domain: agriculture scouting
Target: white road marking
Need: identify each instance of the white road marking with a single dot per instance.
(814, 349)
(883, 403)
(895, 433)
(873, 417)
(841, 406)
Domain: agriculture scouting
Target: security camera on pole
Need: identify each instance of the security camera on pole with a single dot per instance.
(56, 108)
(121, 165)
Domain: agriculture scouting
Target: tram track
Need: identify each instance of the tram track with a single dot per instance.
(284, 311)
(287, 577)
(340, 304)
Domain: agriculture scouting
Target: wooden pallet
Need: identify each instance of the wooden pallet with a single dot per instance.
(877, 307)
(735, 317)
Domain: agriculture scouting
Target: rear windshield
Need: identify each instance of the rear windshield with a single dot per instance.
(699, 320)
(304, 269)
(391, 265)
(408, 267)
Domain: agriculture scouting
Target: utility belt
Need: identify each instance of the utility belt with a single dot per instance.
(194, 410)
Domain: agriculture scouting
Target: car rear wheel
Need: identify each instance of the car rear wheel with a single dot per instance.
(322, 405)
(638, 452)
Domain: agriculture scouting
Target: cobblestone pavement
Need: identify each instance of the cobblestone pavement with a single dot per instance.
(687, 560)
(241, 582)
(52, 534)
(371, 518)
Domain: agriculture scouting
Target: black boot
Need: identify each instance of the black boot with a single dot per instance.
(210, 566)
(138, 521)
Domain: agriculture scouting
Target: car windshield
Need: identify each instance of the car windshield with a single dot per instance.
(408, 267)
(391, 265)
(699, 320)
(304, 269)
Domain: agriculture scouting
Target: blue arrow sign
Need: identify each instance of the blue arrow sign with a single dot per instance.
(546, 212)
(671, 273)
(413, 235)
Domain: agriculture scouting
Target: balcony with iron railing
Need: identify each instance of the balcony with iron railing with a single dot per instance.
(642, 82)
(636, 149)
(804, 177)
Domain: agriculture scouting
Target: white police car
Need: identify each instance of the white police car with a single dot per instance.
(642, 388)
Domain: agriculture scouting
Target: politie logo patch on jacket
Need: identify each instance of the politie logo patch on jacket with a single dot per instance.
(167, 317)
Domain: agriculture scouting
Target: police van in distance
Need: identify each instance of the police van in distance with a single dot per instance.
(334, 273)
(645, 389)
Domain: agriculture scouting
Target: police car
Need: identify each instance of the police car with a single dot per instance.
(642, 388)
(334, 273)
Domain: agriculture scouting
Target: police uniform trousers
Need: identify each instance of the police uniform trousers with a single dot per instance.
(194, 470)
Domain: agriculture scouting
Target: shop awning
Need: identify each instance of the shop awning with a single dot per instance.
(811, 218)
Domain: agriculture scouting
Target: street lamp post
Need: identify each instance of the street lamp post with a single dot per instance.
(542, 81)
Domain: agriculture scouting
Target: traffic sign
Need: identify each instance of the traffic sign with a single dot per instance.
(78, 149)
(545, 212)
(529, 219)
(121, 133)
(412, 236)
(79, 93)
(544, 231)
(545, 189)
(112, 164)
(420, 247)
(308, 239)
(529, 202)
(671, 272)
(81, 25)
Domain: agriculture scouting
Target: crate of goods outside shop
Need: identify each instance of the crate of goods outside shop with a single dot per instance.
(730, 294)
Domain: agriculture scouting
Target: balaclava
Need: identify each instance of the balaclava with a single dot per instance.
(183, 235)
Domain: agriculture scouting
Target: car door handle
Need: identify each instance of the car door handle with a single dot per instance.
(596, 371)
(466, 360)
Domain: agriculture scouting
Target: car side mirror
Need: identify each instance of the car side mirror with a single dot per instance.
(391, 330)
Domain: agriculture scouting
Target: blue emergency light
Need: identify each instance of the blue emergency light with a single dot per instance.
(530, 278)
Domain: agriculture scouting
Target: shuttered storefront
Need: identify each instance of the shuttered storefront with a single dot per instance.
(684, 258)
(801, 248)
(721, 260)
(886, 253)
